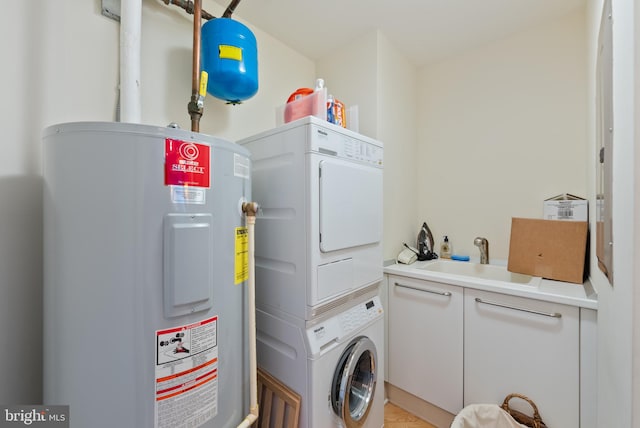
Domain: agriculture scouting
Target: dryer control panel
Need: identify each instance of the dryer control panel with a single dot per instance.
(328, 333)
(342, 145)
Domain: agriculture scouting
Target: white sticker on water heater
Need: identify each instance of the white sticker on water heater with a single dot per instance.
(186, 374)
(187, 195)
(241, 166)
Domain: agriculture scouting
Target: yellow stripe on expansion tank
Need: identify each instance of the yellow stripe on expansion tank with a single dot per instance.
(230, 52)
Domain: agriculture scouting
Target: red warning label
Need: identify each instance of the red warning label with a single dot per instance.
(186, 164)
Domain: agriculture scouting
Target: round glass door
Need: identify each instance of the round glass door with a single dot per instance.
(354, 382)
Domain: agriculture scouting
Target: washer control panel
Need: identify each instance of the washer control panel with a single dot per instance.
(360, 315)
(327, 334)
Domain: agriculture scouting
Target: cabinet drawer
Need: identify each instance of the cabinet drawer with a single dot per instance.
(522, 345)
(425, 340)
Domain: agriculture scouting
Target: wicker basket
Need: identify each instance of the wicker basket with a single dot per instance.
(534, 421)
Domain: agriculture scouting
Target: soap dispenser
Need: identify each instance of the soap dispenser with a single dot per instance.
(445, 248)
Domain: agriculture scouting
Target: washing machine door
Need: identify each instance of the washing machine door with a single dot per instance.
(354, 382)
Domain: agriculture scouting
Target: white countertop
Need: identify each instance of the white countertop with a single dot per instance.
(582, 295)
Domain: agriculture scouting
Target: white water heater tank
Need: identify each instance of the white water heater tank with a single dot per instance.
(145, 312)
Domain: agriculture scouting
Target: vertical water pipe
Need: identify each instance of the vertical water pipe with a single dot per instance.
(195, 106)
(250, 209)
(130, 25)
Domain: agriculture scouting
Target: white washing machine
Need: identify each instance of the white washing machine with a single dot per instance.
(335, 363)
(319, 229)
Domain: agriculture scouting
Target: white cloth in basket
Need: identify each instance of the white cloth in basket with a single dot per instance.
(484, 416)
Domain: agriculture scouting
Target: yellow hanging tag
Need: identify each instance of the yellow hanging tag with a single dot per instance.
(204, 79)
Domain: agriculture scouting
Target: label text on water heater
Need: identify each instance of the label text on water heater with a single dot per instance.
(186, 164)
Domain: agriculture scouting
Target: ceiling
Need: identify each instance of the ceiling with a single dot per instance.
(425, 31)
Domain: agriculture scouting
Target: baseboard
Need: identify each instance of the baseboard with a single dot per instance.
(422, 409)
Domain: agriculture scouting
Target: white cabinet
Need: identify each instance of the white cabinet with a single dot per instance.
(426, 340)
(512, 344)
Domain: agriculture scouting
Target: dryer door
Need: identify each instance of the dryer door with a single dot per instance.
(354, 382)
(350, 205)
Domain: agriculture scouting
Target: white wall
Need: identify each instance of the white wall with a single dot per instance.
(397, 127)
(370, 73)
(60, 64)
(350, 74)
(501, 128)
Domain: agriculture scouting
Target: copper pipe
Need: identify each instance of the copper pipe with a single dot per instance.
(197, 24)
(195, 110)
(232, 6)
(187, 5)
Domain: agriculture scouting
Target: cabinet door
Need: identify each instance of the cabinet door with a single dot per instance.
(425, 340)
(526, 346)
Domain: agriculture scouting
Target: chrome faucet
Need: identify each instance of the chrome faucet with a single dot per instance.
(483, 245)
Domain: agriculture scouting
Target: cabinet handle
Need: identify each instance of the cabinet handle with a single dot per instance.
(517, 308)
(439, 293)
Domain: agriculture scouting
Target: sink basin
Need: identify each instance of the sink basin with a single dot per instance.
(497, 273)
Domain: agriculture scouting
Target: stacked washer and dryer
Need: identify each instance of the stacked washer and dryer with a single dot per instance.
(319, 267)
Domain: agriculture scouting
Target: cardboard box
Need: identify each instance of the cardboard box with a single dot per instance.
(551, 249)
(566, 207)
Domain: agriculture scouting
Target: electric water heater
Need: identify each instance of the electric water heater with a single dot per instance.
(145, 270)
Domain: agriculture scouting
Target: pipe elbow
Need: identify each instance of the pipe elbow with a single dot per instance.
(250, 208)
(250, 418)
